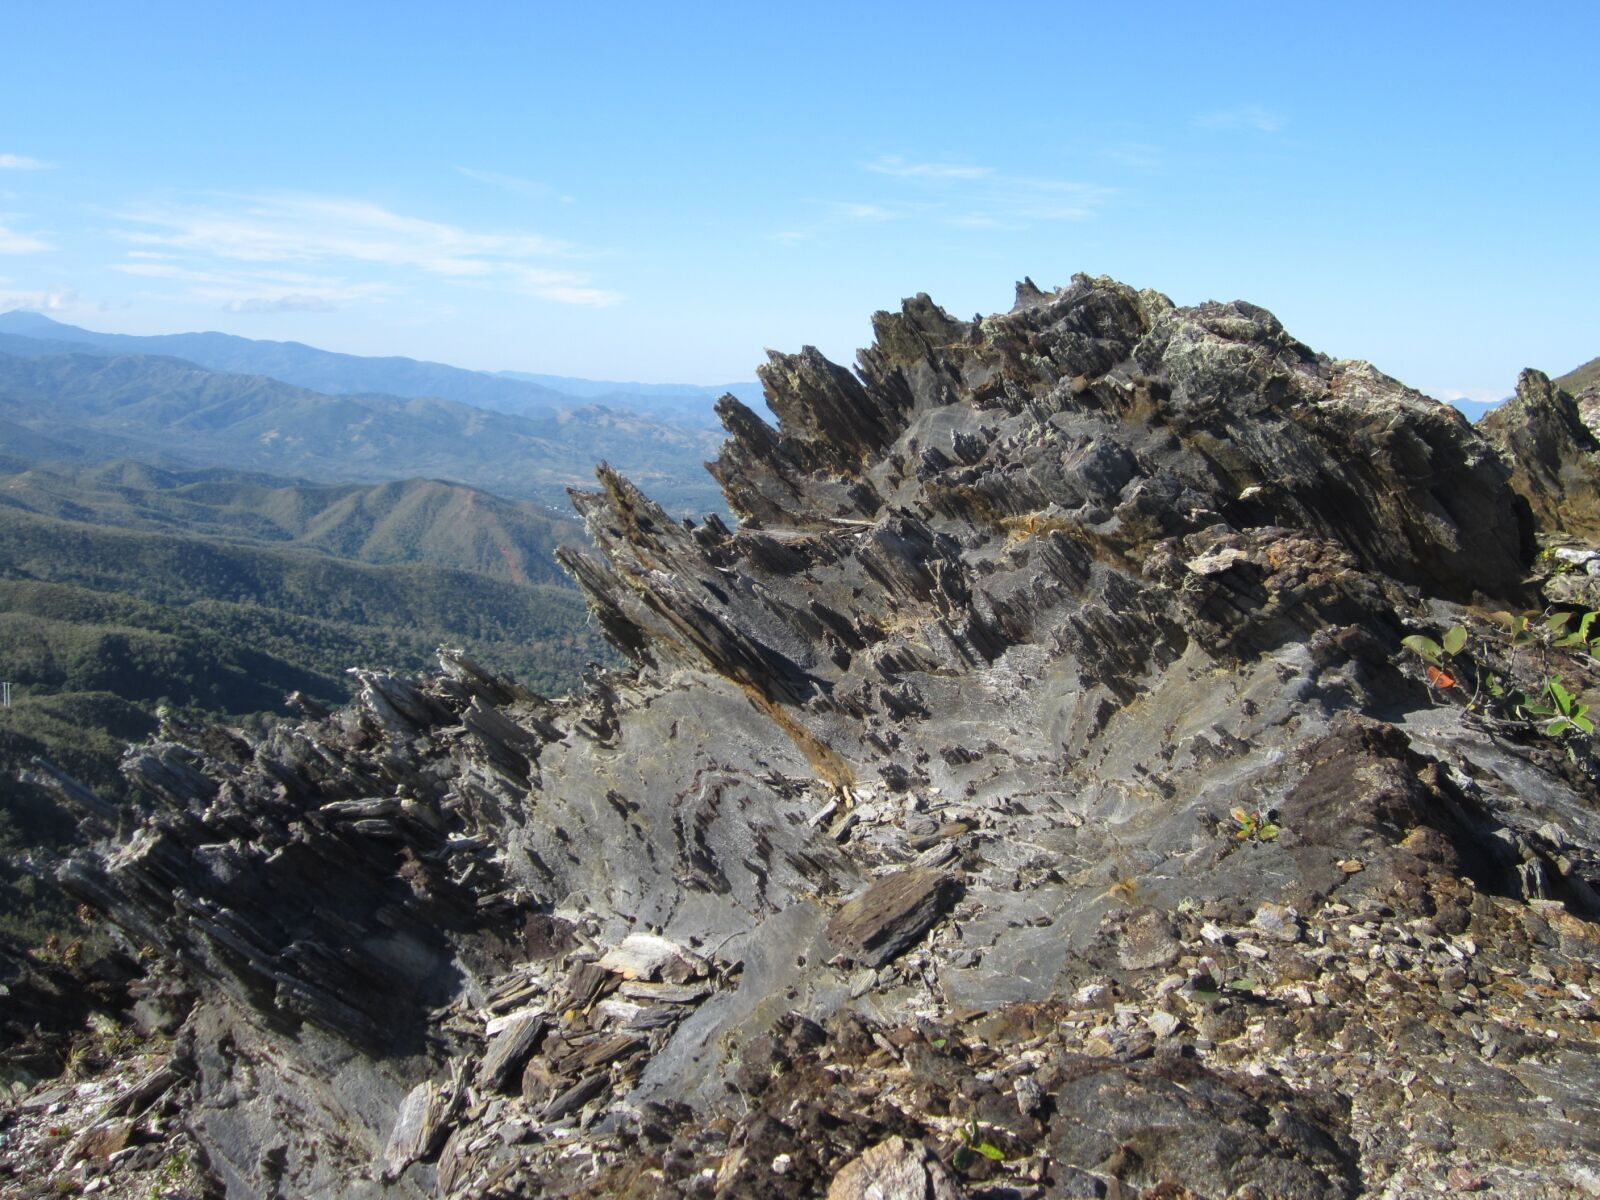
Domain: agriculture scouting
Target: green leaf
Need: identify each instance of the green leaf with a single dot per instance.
(1454, 639)
(1557, 727)
(1268, 831)
(1556, 622)
(1560, 695)
(1583, 722)
(990, 1151)
(1424, 647)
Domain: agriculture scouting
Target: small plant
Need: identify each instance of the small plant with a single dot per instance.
(973, 1146)
(1255, 825)
(1436, 654)
(175, 1173)
(1561, 711)
(1550, 706)
(1579, 638)
(75, 1063)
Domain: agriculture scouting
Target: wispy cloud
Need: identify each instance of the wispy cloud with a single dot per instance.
(292, 302)
(259, 291)
(62, 300)
(530, 188)
(1251, 117)
(893, 164)
(959, 197)
(355, 236)
(12, 242)
(21, 162)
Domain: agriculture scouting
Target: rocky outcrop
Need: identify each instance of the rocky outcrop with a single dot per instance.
(1032, 792)
(1553, 455)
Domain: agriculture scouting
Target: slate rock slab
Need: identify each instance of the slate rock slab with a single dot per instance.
(892, 915)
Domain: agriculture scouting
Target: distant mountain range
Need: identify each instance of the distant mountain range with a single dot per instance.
(94, 406)
(535, 396)
(410, 521)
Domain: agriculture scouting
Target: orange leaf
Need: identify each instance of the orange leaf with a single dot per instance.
(1440, 679)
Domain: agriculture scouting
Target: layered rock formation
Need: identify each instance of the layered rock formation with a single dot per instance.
(1032, 793)
(1555, 459)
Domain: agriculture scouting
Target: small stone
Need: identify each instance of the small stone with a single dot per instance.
(645, 956)
(1029, 1096)
(1217, 561)
(1162, 1024)
(891, 915)
(1278, 921)
(895, 1169)
(509, 1047)
(1148, 941)
(1093, 995)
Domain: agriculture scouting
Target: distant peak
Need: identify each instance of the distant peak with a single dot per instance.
(20, 320)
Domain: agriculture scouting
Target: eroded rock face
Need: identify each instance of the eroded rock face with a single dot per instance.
(1554, 457)
(914, 824)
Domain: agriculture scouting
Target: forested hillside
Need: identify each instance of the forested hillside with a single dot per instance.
(412, 520)
(88, 408)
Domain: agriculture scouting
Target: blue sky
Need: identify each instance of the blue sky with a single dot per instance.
(659, 191)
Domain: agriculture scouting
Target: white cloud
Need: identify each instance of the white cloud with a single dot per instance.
(63, 300)
(353, 234)
(893, 164)
(1247, 117)
(21, 162)
(12, 242)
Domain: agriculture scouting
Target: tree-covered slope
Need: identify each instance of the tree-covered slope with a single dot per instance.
(413, 520)
(175, 413)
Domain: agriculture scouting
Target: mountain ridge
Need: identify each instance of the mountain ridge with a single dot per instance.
(337, 373)
(411, 520)
(173, 412)
(1038, 793)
